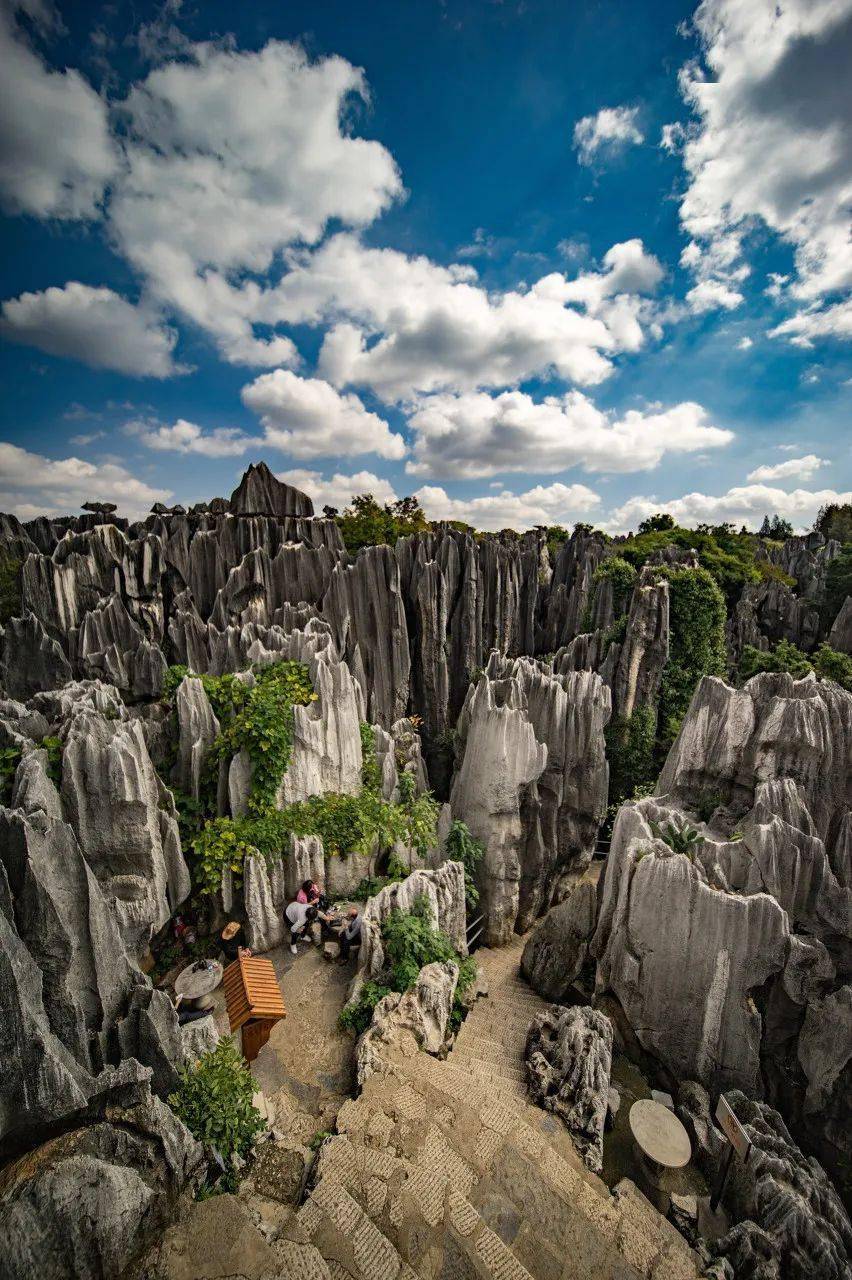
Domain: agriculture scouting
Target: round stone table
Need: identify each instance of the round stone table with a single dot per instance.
(662, 1145)
(192, 983)
(659, 1134)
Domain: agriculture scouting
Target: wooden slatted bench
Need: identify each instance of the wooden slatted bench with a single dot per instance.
(254, 1001)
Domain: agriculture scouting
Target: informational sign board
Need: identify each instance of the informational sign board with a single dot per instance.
(732, 1129)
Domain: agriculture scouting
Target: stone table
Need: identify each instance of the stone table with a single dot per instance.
(662, 1144)
(193, 984)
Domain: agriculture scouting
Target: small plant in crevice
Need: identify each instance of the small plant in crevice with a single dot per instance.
(10, 758)
(53, 747)
(679, 839)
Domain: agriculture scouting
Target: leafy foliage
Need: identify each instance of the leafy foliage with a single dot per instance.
(10, 758)
(371, 774)
(731, 557)
(681, 839)
(697, 644)
(53, 747)
(622, 575)
(11, 599)
(214, 1100)
(410, 941)
(777, 528)
(462, 847)
(835, 521)
(826, 662)
(630, 751)
(366, 523)
(838, 584)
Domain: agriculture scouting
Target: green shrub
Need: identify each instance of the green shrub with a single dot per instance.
(11, 597)
(53, 747)
(358, 1015)
(696, 644)
(622, 575)
(214, 1100)
(10, 758)
(463, 848)
(365, 522)
(831, 665)
(679, 839)
(784, 657)
(371, 774)
(630, 751)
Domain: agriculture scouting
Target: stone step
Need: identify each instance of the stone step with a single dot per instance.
(489, 1051)
(504, 1070)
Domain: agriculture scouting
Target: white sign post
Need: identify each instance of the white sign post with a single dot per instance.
(739, 1142)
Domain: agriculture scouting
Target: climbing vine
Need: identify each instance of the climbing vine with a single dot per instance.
(697, 618)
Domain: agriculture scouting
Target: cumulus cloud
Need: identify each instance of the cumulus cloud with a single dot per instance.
(56, 152)
(802, 468)
(404, 325)
(772, 140)
(96, 326)
(712, 295)
(609, 131)
(231, 157)
(743, 504)
(804, 328)
(308, 418)
(187, 437)
(477, 434)
(34, 485)
(544, 504)
(338, 490)
(745, 344)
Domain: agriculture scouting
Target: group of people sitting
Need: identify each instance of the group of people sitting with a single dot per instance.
(310, 905)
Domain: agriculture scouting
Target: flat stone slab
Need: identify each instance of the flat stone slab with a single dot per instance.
(192, 983)
(659, 1134)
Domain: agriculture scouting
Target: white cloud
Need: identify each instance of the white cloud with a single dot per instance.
(476, 435)
(230, 158)
(404, 325)
(804, 328)
(34, 485)
(609, 131)
(802, 468)
(772, 140)
(56, 153)
(338, 490)
(672, 137)
(308, 418)
(186, 437)
(712, 295)
(745, 344)
(544, 504)
(743, 504)
(96, 326)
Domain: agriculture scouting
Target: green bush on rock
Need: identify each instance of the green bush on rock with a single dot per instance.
(214, 1100)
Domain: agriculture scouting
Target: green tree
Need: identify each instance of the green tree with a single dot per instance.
(622, 575)
(697, 618)
(365, 522)
(659, 523)
(835, 521)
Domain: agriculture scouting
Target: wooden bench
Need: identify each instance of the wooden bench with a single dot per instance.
(254, 1001)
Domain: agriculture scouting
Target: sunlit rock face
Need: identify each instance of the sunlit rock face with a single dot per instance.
(732, 959)
(531, 783)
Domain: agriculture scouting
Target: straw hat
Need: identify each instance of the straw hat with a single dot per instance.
(232, 927)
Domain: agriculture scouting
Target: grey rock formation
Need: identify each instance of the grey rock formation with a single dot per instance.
(569, 1060)
(557, 950)
(532, 783)
(260, 493)
(422, 1013)
(124, 819)
(91, 1199)
(198, 729)
(840, 636)
(790, 1221)
(443, 888)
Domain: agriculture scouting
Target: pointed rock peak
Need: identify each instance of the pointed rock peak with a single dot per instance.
(259, 493)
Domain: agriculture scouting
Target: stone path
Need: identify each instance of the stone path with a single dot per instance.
(438, 1171)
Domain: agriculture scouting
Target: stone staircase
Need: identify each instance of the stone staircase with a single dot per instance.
(444, 1171)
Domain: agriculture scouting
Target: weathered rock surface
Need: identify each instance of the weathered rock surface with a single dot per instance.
(569, 1060)
(790, 1220)
(402, 1024)
(443, 888)
(557, 950)
(532, 783)
(88, 1201)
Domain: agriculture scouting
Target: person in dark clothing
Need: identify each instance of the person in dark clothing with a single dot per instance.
(350, 934)
(231, 941)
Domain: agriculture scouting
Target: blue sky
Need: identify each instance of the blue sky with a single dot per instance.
(535, 262)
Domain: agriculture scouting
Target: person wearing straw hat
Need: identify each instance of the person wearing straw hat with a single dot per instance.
(231, 941)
